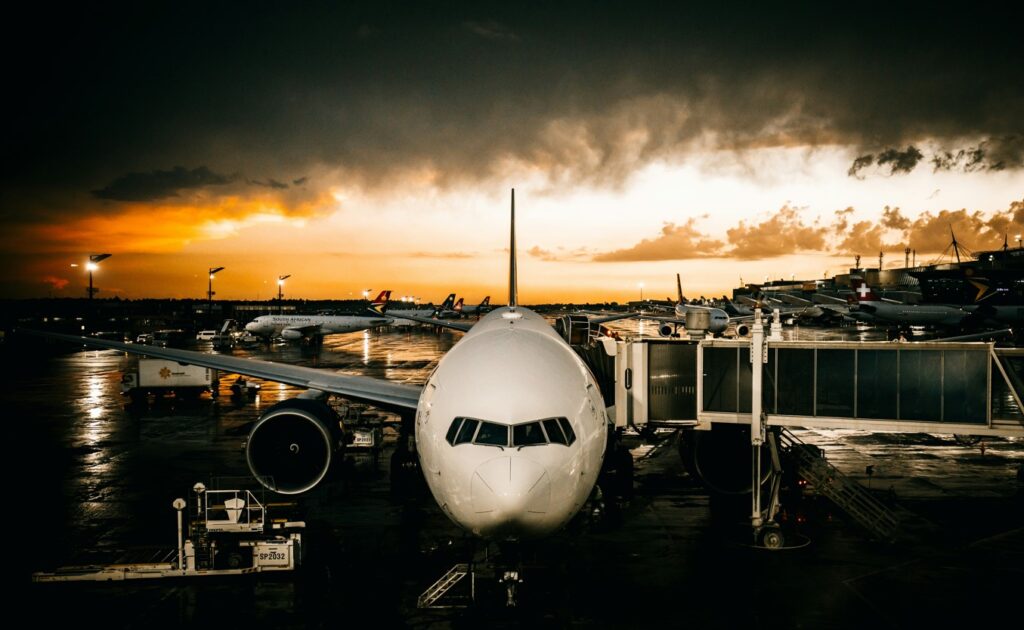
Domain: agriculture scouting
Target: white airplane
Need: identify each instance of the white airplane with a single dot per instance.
(717, 319)
(510, 428)
(873, 309)
(294, 327)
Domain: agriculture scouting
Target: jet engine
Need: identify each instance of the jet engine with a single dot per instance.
(721, 458)
(666, 330)
(291, 446)
(291, 334)
(742, 330)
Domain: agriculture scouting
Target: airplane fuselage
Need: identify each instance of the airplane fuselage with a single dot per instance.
(719, 318)
(913, 314)
(297, 326)
(491, 429)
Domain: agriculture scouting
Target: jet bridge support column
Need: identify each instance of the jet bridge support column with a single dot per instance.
(756, 426)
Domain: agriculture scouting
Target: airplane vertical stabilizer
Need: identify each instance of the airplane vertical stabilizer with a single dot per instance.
(512, 281)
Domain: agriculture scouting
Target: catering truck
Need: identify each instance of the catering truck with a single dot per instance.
(161, 377)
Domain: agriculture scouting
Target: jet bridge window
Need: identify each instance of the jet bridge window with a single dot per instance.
(527, 434)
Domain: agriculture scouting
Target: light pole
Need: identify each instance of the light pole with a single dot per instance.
(91, 266)
(280, 294)
(1018, 241)
(641, 285)
(366, 294)
(209, 291)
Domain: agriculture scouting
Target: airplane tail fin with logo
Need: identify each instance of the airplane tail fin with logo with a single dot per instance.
(458, 306)
(380, 303)
(861, 291)
(448, 302)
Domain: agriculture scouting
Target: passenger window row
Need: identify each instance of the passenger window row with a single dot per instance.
(473, 431)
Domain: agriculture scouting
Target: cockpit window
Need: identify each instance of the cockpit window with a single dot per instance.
(527, 434)
(466, 432)
(453, 431)
(492, 434)
(554, 431)
(570, 435)
(471, 430)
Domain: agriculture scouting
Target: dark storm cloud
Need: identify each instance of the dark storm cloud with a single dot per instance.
(967, 160)
(490, 30)
(899, 161)
(859, 164)
(156, 185)
(270, 183)
(365, 94)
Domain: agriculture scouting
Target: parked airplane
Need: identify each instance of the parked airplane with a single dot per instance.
(879, 310)
(449, 310)
(510, 428)
(447, 307)
(294, 327)
(716, 319)
(483, 307)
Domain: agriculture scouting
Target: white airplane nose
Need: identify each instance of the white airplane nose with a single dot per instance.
(252, 326)
(510, 489)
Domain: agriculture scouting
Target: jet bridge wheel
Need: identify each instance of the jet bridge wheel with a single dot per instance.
(771, 537)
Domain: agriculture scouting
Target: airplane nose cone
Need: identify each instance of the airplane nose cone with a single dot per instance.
(511, 489)
(251, 326)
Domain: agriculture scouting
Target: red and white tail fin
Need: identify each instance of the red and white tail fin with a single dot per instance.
(458, 306)
(862, 292)
(381, 301)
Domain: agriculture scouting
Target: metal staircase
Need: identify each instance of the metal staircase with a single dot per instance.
(846, 493)
(439, 588)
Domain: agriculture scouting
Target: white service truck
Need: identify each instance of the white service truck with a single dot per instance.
(160, 376)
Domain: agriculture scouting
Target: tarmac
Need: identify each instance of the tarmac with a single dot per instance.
(97, 475)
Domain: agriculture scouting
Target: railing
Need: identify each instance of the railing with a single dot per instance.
(232, 510)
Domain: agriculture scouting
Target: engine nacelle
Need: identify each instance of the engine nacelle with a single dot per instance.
(291, 334)
(291, 446)
(666, 330)
(742, 330)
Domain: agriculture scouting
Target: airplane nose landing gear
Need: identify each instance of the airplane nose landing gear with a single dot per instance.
(511, 580)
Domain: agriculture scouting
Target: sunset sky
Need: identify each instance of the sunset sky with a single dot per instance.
(374, 145)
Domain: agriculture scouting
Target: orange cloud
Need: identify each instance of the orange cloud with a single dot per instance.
(677, 242)
(159, 227)
(55, 282)
(784, 233)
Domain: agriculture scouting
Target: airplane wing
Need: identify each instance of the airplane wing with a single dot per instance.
(821, 298)
(665, 320)
(437, 322)
(397, 397)
(604, 319)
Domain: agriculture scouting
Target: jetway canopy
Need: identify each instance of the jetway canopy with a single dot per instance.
(969, 388)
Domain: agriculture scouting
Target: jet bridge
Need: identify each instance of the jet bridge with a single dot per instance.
(770, 384)
(962, 388)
